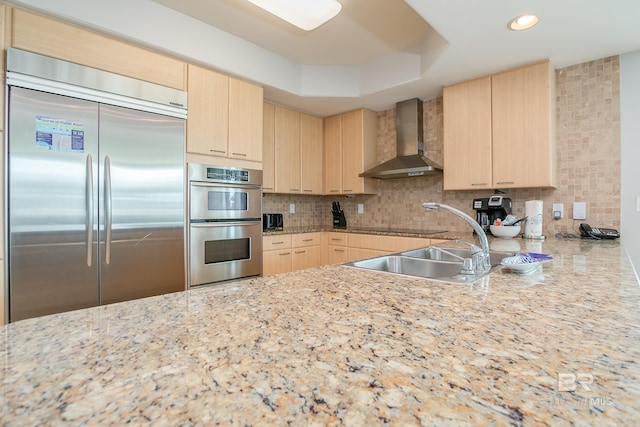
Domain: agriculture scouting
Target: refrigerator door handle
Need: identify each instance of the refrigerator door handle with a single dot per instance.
(89, 202)
(107, 209)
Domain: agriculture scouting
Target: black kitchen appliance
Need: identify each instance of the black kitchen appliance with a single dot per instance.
(339, 221)
(272, 221)
(489, 209)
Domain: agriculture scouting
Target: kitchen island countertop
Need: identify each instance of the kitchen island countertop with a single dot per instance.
(338, 345)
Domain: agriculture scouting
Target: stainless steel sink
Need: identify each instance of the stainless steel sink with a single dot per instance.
(452, 254)
(410, 266)
(429, 263)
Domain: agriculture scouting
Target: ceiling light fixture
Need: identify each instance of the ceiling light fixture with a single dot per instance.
(304, 14)
(523, 22)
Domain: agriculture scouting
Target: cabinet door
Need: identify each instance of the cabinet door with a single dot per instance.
(523, 127)
(275, 262)
(245, 120)
(359, 130)
(332, 155)
(268, 149)
(467, 135)
(287, 131)
(311, 154)
(306, 257)
(336, 254)
(208, 107)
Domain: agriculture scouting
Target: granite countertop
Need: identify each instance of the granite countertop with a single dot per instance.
(338, 345)
(384, 231)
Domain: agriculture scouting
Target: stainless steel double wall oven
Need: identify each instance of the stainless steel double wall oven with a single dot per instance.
(225, 223)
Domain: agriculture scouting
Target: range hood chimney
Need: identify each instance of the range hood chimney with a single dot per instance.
(409, 160)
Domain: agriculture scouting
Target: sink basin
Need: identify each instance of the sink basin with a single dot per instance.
(429, 263)
(433, 253)
(410, 266)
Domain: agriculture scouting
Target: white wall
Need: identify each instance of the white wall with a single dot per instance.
(630, 151)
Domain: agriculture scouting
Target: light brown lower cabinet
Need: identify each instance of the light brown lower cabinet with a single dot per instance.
(292, 252)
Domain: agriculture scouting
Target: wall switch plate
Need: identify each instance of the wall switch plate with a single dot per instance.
(558, 211)
(360, 208)
(292, 208)
(579, 210)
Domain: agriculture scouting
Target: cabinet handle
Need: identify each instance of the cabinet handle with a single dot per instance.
(284, 253)
(307, 240)
(218, 151)
(299, 252)
(347, 191)
(338, 250)
(505, 182)
(277, 243)
(479, 183)
(336, 239)
(239, 154)
(307, 191)
(294, 189)
(267, 188)
(334, 191)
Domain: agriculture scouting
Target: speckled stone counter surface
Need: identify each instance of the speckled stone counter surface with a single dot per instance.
(341, 346)
(381, 231)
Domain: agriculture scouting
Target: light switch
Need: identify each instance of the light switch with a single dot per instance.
(360, 208)
(292, 208)
(579, 210)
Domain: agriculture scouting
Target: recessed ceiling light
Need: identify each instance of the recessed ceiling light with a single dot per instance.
(523, 22)
(304, 14)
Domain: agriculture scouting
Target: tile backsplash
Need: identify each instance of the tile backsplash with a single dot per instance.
(588, 151)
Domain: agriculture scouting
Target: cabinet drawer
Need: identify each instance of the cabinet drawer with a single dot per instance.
(305, 257)
(275, 242)
(337, 239)
(336, 255)
(305, 239)
(275, 262)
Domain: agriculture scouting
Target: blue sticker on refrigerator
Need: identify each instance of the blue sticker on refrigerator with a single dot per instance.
(59, 134)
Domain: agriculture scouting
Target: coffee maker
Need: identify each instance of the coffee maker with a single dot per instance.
(489, 209)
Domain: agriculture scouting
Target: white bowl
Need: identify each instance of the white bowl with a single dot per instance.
(505, 231)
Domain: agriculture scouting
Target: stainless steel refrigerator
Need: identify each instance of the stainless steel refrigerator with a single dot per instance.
(95, 188)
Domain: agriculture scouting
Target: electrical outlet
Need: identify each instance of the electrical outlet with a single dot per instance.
(292, 208)
(579, 210)
(360, 208)
(558, 211)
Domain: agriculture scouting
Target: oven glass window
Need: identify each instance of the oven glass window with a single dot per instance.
(227, 250)
(228, 200)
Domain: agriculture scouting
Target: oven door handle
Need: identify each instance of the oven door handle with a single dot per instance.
(220, 185)
(225, 223)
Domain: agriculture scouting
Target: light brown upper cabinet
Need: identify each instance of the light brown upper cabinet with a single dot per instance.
(287, 161)
(224, 116)
(268, 148)
(245, 120)
(49, 37)
(499, 131)
(311, 154)
(292, 151)
(350, 149)
(208, 112)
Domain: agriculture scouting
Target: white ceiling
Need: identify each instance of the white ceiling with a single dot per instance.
(374, 53)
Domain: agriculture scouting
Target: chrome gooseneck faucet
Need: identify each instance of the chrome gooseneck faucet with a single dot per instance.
(482, 262)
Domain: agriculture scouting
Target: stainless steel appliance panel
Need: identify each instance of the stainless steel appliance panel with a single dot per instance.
(52, 201)
(225, 201)
(142, 209)
(224, 251)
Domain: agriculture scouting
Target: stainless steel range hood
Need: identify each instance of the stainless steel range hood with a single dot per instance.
(410, 160)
